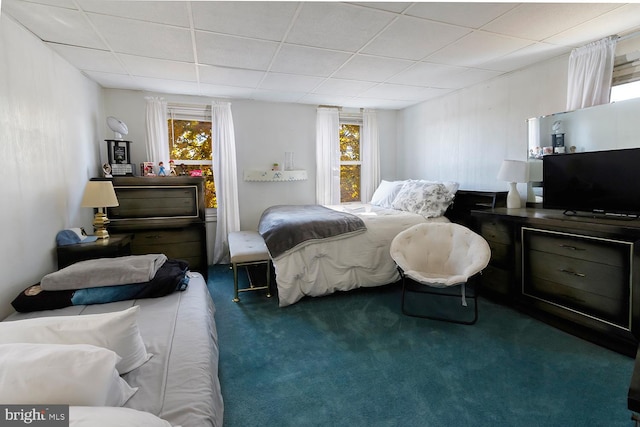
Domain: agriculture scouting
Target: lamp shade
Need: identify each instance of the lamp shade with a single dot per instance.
(513, 171)
(99, 194)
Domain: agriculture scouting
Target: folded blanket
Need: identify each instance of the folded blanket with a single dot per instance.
(171, 277)
(104, 272)
(285, 227)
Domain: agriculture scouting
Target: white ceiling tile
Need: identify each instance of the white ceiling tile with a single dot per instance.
(620, 20)
(535, 21)
(161, 12)
(265, 20)
(167, 86)
(308, 61)
(371, 68)
(89, 59)
(145, 39)
(477, 48)
(425, 74)
(231, 51)
(229, 76)
(55, 24)
(159, 68)
(413, 38)
(472, 15)
(343, 87)
(396, 7)
(110, 80)
(529, 55)
(225, 91)
(289, 82)
(467, 78)
(335, 25)
(401, 92)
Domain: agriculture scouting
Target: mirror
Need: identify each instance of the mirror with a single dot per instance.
(602, 127)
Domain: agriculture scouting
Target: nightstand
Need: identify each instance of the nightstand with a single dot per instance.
(116, 245)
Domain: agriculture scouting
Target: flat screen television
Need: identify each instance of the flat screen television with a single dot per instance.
(599, 182)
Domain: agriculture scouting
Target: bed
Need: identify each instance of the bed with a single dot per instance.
(179, 383)
(319, 265)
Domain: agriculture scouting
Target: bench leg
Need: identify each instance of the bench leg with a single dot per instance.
(269, 279)
(235, 282)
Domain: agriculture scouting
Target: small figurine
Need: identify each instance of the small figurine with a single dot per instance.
(161, 169)
(172, 168)
(106, 168)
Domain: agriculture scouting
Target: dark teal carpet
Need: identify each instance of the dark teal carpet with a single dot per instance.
(352, 359)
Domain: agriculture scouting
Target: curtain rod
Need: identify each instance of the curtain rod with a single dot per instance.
(629, 36)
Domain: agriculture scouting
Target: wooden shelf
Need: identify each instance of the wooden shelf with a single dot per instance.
(275, 176)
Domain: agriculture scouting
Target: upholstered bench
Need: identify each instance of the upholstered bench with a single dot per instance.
(248, 248)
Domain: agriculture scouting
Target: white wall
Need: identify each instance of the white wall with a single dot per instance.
(465, 136)
(49, 121)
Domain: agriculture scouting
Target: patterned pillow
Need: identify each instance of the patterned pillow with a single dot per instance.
(425, 198)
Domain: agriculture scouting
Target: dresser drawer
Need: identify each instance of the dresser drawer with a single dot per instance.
(496, 232)
(602, 251)
(585, 276)
(182, 243)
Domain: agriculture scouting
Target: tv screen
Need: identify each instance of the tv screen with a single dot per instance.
(605, 182)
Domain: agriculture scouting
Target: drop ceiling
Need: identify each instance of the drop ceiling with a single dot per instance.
(370, 54)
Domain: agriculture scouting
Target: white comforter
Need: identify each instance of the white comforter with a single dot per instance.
(341, 264)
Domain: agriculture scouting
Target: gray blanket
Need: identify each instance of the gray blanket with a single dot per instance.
(104, 272)
(284, 227)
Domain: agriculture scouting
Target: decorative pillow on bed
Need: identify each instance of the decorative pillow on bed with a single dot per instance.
(61, 374)
(117, 331)
(386, 193)
(108, 416)
(429, 199)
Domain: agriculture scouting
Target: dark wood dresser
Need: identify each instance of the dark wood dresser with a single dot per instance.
(578, 273)
(164, 215)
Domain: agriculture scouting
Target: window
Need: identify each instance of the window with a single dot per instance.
(350, 155)
(626, 70)
(190, 144)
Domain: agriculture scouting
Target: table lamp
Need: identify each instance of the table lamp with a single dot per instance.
(513, 171)
(100, 195)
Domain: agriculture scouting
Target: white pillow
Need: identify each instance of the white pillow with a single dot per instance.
(61, 374)
(108, 416)
(386, 193)
(117, 331)
(426, 198)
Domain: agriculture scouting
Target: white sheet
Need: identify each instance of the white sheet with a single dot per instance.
(342, 264)
(180, 382)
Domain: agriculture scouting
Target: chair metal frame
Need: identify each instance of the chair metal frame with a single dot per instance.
(423, 288)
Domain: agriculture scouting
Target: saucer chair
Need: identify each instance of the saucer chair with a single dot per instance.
(435, 258)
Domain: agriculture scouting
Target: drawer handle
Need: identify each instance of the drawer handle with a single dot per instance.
(572, 248)
(573, 273)
(153, 237)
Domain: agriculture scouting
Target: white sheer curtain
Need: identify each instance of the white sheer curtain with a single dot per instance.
(370, 173)
(590, 73)
(225, 177)
(157, 137)
(327, 156)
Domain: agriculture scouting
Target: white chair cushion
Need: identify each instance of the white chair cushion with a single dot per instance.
(440, 254)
